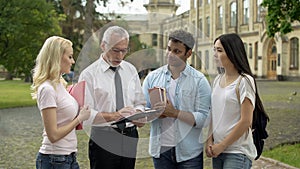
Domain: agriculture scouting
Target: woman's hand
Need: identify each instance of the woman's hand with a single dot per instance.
(217, 149)
(208, 147)
(84, 114)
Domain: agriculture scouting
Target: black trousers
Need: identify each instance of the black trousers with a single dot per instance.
(112, 148)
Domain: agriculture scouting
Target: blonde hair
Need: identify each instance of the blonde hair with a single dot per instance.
(47, 63)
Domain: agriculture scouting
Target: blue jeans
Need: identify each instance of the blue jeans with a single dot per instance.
(52, 161)
(167, 160)
(231, 161)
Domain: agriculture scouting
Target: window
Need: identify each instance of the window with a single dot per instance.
(200, 59)
(259, 10)
(250, 51)
(220, 24)
(200, 2)
(246, 12)
(200, 28)
(246, 48)
(255, 55)
(207, 59)
(154, 39)
(208, 26)
(294, 53)
(233, 14)
(195, 3)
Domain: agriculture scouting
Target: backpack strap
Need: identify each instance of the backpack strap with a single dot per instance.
(237, 91)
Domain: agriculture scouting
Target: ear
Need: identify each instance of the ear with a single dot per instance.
(102, 46)
(189, 53)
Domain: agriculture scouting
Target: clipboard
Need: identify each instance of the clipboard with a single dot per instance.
(137, 116)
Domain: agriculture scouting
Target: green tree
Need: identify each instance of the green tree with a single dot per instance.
(281, 14)
(81, 20)
(24, 26)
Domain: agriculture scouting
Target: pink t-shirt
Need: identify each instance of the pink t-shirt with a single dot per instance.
(66, 111)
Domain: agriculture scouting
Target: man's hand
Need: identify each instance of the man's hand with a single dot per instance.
(124, 112)
(170, 111)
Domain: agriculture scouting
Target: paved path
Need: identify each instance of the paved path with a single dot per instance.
(267, 163)
(22, 126)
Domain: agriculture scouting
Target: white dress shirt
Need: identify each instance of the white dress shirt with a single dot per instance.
(100, 94)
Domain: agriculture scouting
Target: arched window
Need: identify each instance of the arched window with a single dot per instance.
(246, 11)
(220, 17)
(294, 54)
(233, 14)
(259, 9)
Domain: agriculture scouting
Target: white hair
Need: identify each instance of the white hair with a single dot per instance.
(114, 30)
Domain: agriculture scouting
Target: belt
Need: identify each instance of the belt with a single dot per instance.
(73, 154)
(126, 130)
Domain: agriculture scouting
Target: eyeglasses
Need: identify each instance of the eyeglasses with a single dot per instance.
(117, 51)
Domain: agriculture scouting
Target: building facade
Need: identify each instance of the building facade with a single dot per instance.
(270, 58)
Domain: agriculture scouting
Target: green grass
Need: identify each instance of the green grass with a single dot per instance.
(15, 93)
(288, 154)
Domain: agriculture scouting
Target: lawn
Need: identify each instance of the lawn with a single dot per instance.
(15, 94)
(20, 141)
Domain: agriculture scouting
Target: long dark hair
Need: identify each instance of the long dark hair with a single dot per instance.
(236, 53)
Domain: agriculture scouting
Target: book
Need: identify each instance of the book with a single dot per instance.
(137, 116)
(156, 95)
(77, 90)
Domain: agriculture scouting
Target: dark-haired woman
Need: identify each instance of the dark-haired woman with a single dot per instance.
(231, 143)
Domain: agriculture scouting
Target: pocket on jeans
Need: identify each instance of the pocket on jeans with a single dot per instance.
(58, 159)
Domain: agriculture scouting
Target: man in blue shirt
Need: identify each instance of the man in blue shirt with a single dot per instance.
(175, 137)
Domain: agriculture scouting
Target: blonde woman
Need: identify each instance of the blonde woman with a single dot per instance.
(58, 108)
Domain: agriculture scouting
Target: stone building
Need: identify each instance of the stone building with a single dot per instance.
(270, 58)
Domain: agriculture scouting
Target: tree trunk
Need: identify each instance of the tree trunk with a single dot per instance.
(8, 76)
(89, 9)
(28, 79)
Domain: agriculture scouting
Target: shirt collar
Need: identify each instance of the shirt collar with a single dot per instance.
(105, 66)
(185, 71)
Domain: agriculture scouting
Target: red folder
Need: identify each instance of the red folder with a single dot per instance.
(77, 90)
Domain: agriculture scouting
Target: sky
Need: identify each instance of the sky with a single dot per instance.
(136, 7)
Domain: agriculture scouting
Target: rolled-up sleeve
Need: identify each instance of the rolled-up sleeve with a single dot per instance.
(202, 103)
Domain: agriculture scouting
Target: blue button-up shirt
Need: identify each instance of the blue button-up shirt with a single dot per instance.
(192, 95)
